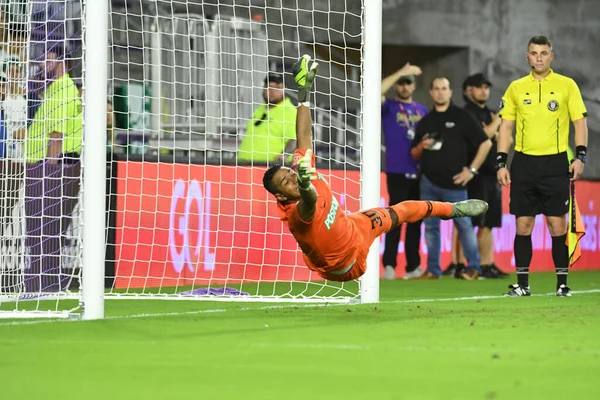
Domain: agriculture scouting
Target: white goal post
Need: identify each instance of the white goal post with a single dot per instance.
(183, 216)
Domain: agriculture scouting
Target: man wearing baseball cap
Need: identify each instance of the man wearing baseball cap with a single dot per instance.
(485, 185)
(271, 132)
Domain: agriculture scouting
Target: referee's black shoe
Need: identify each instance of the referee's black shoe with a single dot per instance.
(517, 291)
(563, 290)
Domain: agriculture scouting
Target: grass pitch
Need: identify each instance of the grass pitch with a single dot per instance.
(443, 339)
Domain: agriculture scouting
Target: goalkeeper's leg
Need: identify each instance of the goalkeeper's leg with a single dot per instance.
(376, 221)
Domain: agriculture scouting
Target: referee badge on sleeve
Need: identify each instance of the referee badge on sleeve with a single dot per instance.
(553, 105)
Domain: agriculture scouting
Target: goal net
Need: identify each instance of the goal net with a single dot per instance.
(189, 137)
(40, 157)
(193, 138)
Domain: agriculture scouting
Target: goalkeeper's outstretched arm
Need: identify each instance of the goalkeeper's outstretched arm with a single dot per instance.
(308, 195)
(305, 71)
(303, 128)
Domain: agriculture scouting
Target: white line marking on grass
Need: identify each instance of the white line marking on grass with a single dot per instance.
(482, 297)
(219, 310)
(167, 314)
(323, 346)
(344, 347)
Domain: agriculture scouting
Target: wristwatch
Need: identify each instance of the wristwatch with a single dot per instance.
(474, 171)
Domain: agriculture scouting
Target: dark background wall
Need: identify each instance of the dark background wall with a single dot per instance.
(494, 35)
(445, 37)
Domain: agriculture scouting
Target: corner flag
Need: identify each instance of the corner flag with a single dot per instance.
(575, 230)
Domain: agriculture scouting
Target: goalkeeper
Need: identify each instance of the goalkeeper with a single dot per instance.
(335, 245)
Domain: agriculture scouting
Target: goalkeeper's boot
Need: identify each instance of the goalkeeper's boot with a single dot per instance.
(305, 71)
(468, 208)
(516, 290)
(563, 290)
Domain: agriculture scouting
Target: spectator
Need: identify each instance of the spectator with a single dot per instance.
(444, 139)
(14, 107)
(56, 130)
(271, 133)
(542, 102)
(52, 175)
(485, 186)
(400, 116)
(476, 89)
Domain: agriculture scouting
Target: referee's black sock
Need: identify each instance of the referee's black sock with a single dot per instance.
(560, 256)
(523, 254)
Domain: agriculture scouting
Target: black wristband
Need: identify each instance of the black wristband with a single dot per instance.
(501, 160)
(581, 153)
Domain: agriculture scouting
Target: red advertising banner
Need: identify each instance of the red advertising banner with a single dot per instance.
(180, 224)
(587, 197)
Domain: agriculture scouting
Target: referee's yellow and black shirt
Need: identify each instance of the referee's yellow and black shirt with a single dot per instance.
(541, 111)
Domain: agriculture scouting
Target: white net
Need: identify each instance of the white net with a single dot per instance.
(190, 135)
(40, 156)
(192, 138)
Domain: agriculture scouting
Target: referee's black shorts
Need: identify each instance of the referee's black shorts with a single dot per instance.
(486, 187)
(539, 185)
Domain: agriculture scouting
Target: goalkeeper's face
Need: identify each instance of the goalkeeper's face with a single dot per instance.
(285, 182)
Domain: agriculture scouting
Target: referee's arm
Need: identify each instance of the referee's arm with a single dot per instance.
(581, 140)
(505, 135)
(504, 140)
(578, 114)
(581, 132)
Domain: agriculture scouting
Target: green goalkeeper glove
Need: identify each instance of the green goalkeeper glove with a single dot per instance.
(305, 71)
(306, 171)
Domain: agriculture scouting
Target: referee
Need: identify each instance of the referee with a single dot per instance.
(540, 104)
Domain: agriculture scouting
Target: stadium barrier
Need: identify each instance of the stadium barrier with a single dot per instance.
(204, 224)
(210, 226)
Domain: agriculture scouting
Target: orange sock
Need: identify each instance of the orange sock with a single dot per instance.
(413, 211)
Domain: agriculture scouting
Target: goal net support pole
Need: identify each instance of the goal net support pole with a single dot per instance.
(94, 157)
(371, 128)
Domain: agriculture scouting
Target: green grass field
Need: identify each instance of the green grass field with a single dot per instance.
(425, 340)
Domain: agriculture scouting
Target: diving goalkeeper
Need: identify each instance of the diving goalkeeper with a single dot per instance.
(335, 245)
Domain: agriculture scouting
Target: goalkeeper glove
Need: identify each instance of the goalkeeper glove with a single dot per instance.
(306, 171)
(305, 71)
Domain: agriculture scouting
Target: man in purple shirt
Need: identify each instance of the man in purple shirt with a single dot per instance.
(399, 117)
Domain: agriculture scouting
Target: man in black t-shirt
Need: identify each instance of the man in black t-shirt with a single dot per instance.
(485, 186)
(443, 141)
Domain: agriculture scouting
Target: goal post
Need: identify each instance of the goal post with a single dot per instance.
(94, 161)
(371, 109)
(193, 220)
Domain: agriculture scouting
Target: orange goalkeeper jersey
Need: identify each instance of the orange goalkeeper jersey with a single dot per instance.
(329, 241)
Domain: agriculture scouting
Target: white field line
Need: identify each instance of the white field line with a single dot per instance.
(219, 310)
(354, 347)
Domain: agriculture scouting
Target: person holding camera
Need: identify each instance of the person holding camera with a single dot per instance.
(443, 140)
